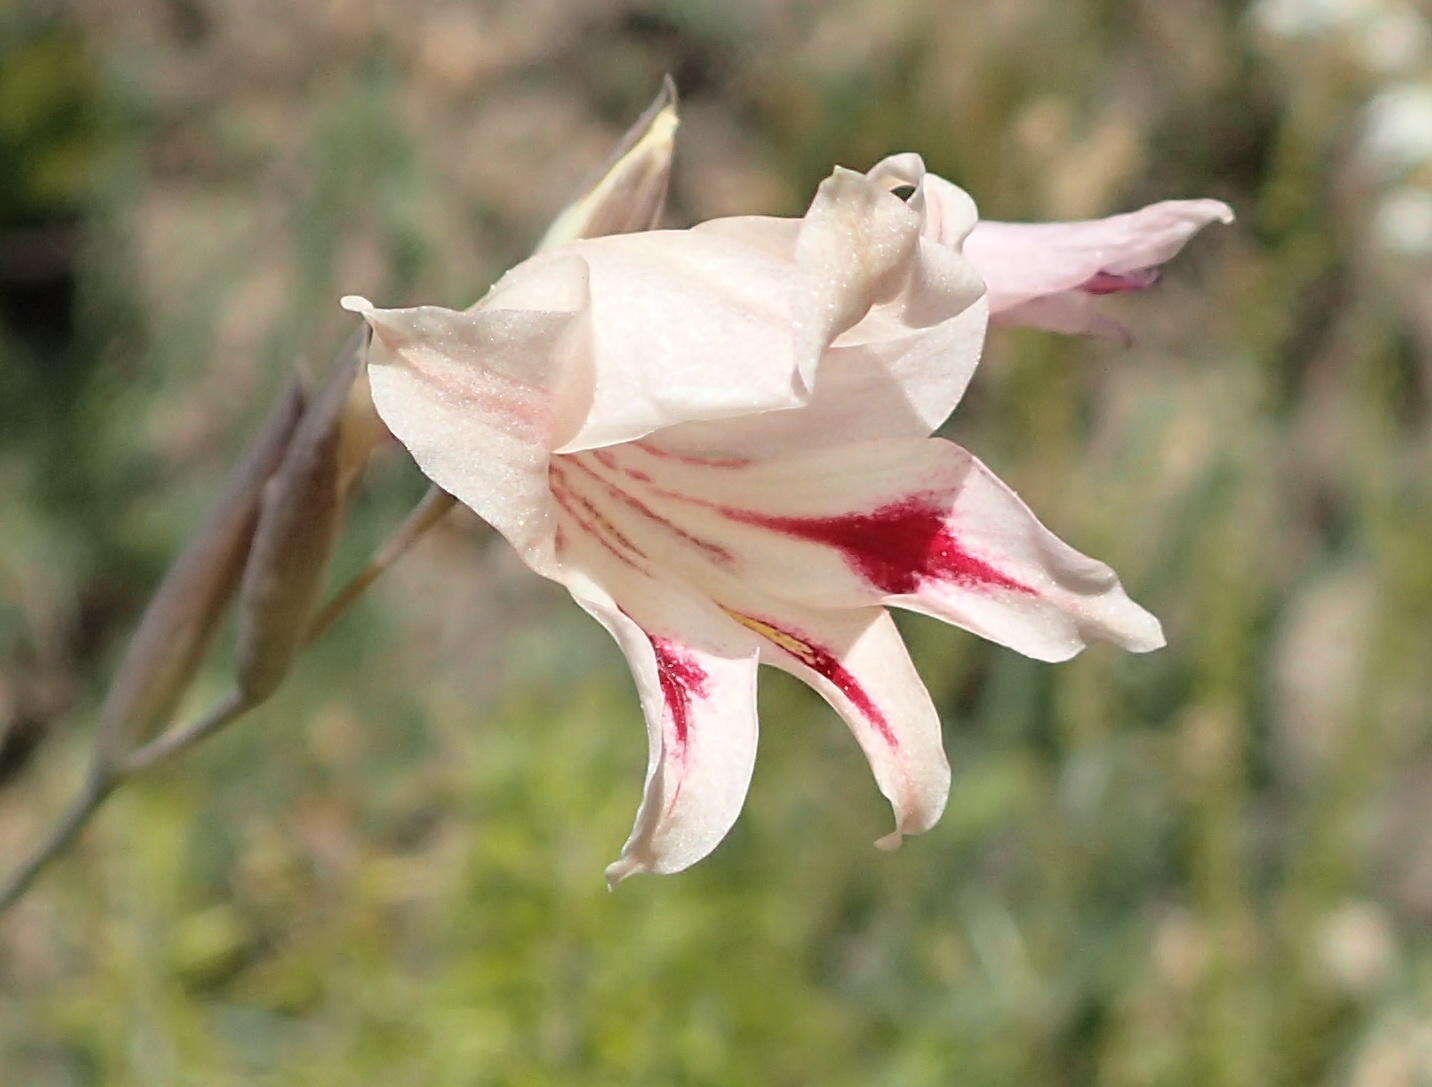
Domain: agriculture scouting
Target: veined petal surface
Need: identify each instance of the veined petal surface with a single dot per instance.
(690, 643)
(856, 660)
(917, 523)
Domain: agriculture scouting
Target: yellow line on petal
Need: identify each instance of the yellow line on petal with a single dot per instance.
(792, 645)
(825, 663)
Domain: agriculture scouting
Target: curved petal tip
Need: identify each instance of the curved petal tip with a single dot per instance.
(1145, 634)
(621, 868)
(356, 303)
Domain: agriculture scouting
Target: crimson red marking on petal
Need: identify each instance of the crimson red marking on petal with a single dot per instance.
(895, 547)
(607, 527)
(589, 530)
(825, 662)
(608, 460)
(642, 508)
(681, 679)
(1114, 282)
(822, 660)
(564, 496)
(700, 462)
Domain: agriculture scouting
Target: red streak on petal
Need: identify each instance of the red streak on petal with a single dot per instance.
(642, 508)
(1114, 282)
(502, 397)
(822, 660)
(605, 458)
(566, 497)
(589, 530)
(700, 462)
(681, 679)
(895, 547)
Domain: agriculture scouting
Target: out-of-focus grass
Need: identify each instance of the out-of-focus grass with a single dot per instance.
(1208, 865)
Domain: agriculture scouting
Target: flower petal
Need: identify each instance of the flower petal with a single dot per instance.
(663, 303)
(857, 661)
(1024, 261)
(696, 676)
(853, 657)
(901, 368)
(479, 398)
(947, 214)
(899, 386)
(772, 296)
(920, 524)
(856, 247)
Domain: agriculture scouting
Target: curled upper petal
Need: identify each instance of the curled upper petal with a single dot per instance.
(736, 317)
(947, 213)
(855, 248)
(903, 366)
(1025, 262)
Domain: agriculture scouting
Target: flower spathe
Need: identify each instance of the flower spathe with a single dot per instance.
(718, 440)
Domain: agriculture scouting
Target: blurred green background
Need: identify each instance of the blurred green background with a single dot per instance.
(1209, 865)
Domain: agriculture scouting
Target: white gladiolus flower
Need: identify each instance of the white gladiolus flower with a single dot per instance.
(718, 440)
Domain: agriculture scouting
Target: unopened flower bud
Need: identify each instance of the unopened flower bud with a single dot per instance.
(630, 193)
(176, 627)
(298, 527)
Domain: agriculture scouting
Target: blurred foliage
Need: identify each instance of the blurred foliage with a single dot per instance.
(1209, 865)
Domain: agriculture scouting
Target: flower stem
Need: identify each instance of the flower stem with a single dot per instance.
(433, 507)
(99, 786)
(108, 774)
(233, 706)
